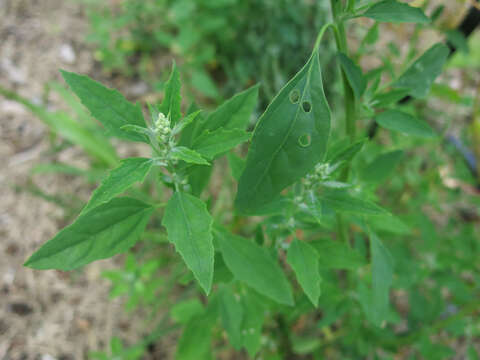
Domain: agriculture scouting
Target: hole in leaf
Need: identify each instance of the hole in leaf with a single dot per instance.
(304, 140)
(294, 96)
(307, 106)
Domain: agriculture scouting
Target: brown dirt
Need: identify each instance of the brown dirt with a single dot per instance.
(45, 314)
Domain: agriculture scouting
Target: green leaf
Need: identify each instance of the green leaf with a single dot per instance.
(458, 40)
(202, 82)
(195, 342)
(130, 171)
(253, 265)
(346, 153)
(396, 12)
(184, 311)
(211, 144)
(106, 105)
(234, 113)
(188, 155)
(381, 167)
(405, 123)
(388, 98)
(303, 258)
(354, 75)
(419, 77)
(341, 201)
(237, 165)
(189, 227)
(231, 315)
(254, 316)
(382, 276)
(289, 139)
(172, 100)
(336, 255)
(107, 230)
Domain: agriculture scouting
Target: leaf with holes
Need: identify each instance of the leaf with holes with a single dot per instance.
(189, 227)
(107, 230)
(290, 138)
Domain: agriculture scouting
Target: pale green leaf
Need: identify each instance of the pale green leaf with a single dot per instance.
(189, 227)
(211, 144)
(188, 155)
(336, 255)
(289, 139)
(253, 265)
(419, 77)
(172, 101)
(303, 258)
(195, 342)
(107, 230)
(381, 167)
(130, 171)
(184, 311)
(396, 12)
(404, 123)
(106, 105)
(342, 201)
(231, 315)
(354, 75)
(237, 165)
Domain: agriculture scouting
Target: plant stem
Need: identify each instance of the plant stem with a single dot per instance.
(349, 101)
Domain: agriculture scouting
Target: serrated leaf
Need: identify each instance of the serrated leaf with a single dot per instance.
(211, 144)
(419, 77)
(234, 113)
(303, 258)
(405, 123)
(342, 201)
(381, 167)
(107, 230)
(106, 105)
(335, 255)
(231, 315)
(354, 75)
(396, 12)
(253, 265)
(172, 100)
(130, 171)
(382, 277)
(188, 155)
(289, 139)
(189, 227)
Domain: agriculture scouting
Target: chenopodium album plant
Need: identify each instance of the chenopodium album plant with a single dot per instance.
(301, 186)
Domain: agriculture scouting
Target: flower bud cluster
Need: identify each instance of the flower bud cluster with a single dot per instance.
(162, 128)
(320, 173)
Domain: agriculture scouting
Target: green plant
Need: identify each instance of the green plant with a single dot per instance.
(306, 214)
(217, 41)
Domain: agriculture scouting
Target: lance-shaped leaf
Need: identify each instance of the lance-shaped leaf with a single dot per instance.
(419, 77)
(336, 255)
(405, 123)
(106, 230)
(342, 201)
(172, 100)
(253, 265)
(106, 105)
(354, 75)
(303, 258)
(189, 227)
(382, 276)
(381, 167)
(232, 114)
(130, 171)
(211, 144)
(231, 315)
(188, 155)
(396, 12)
(289, 139)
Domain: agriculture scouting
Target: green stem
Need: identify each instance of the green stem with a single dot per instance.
(349, 101)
